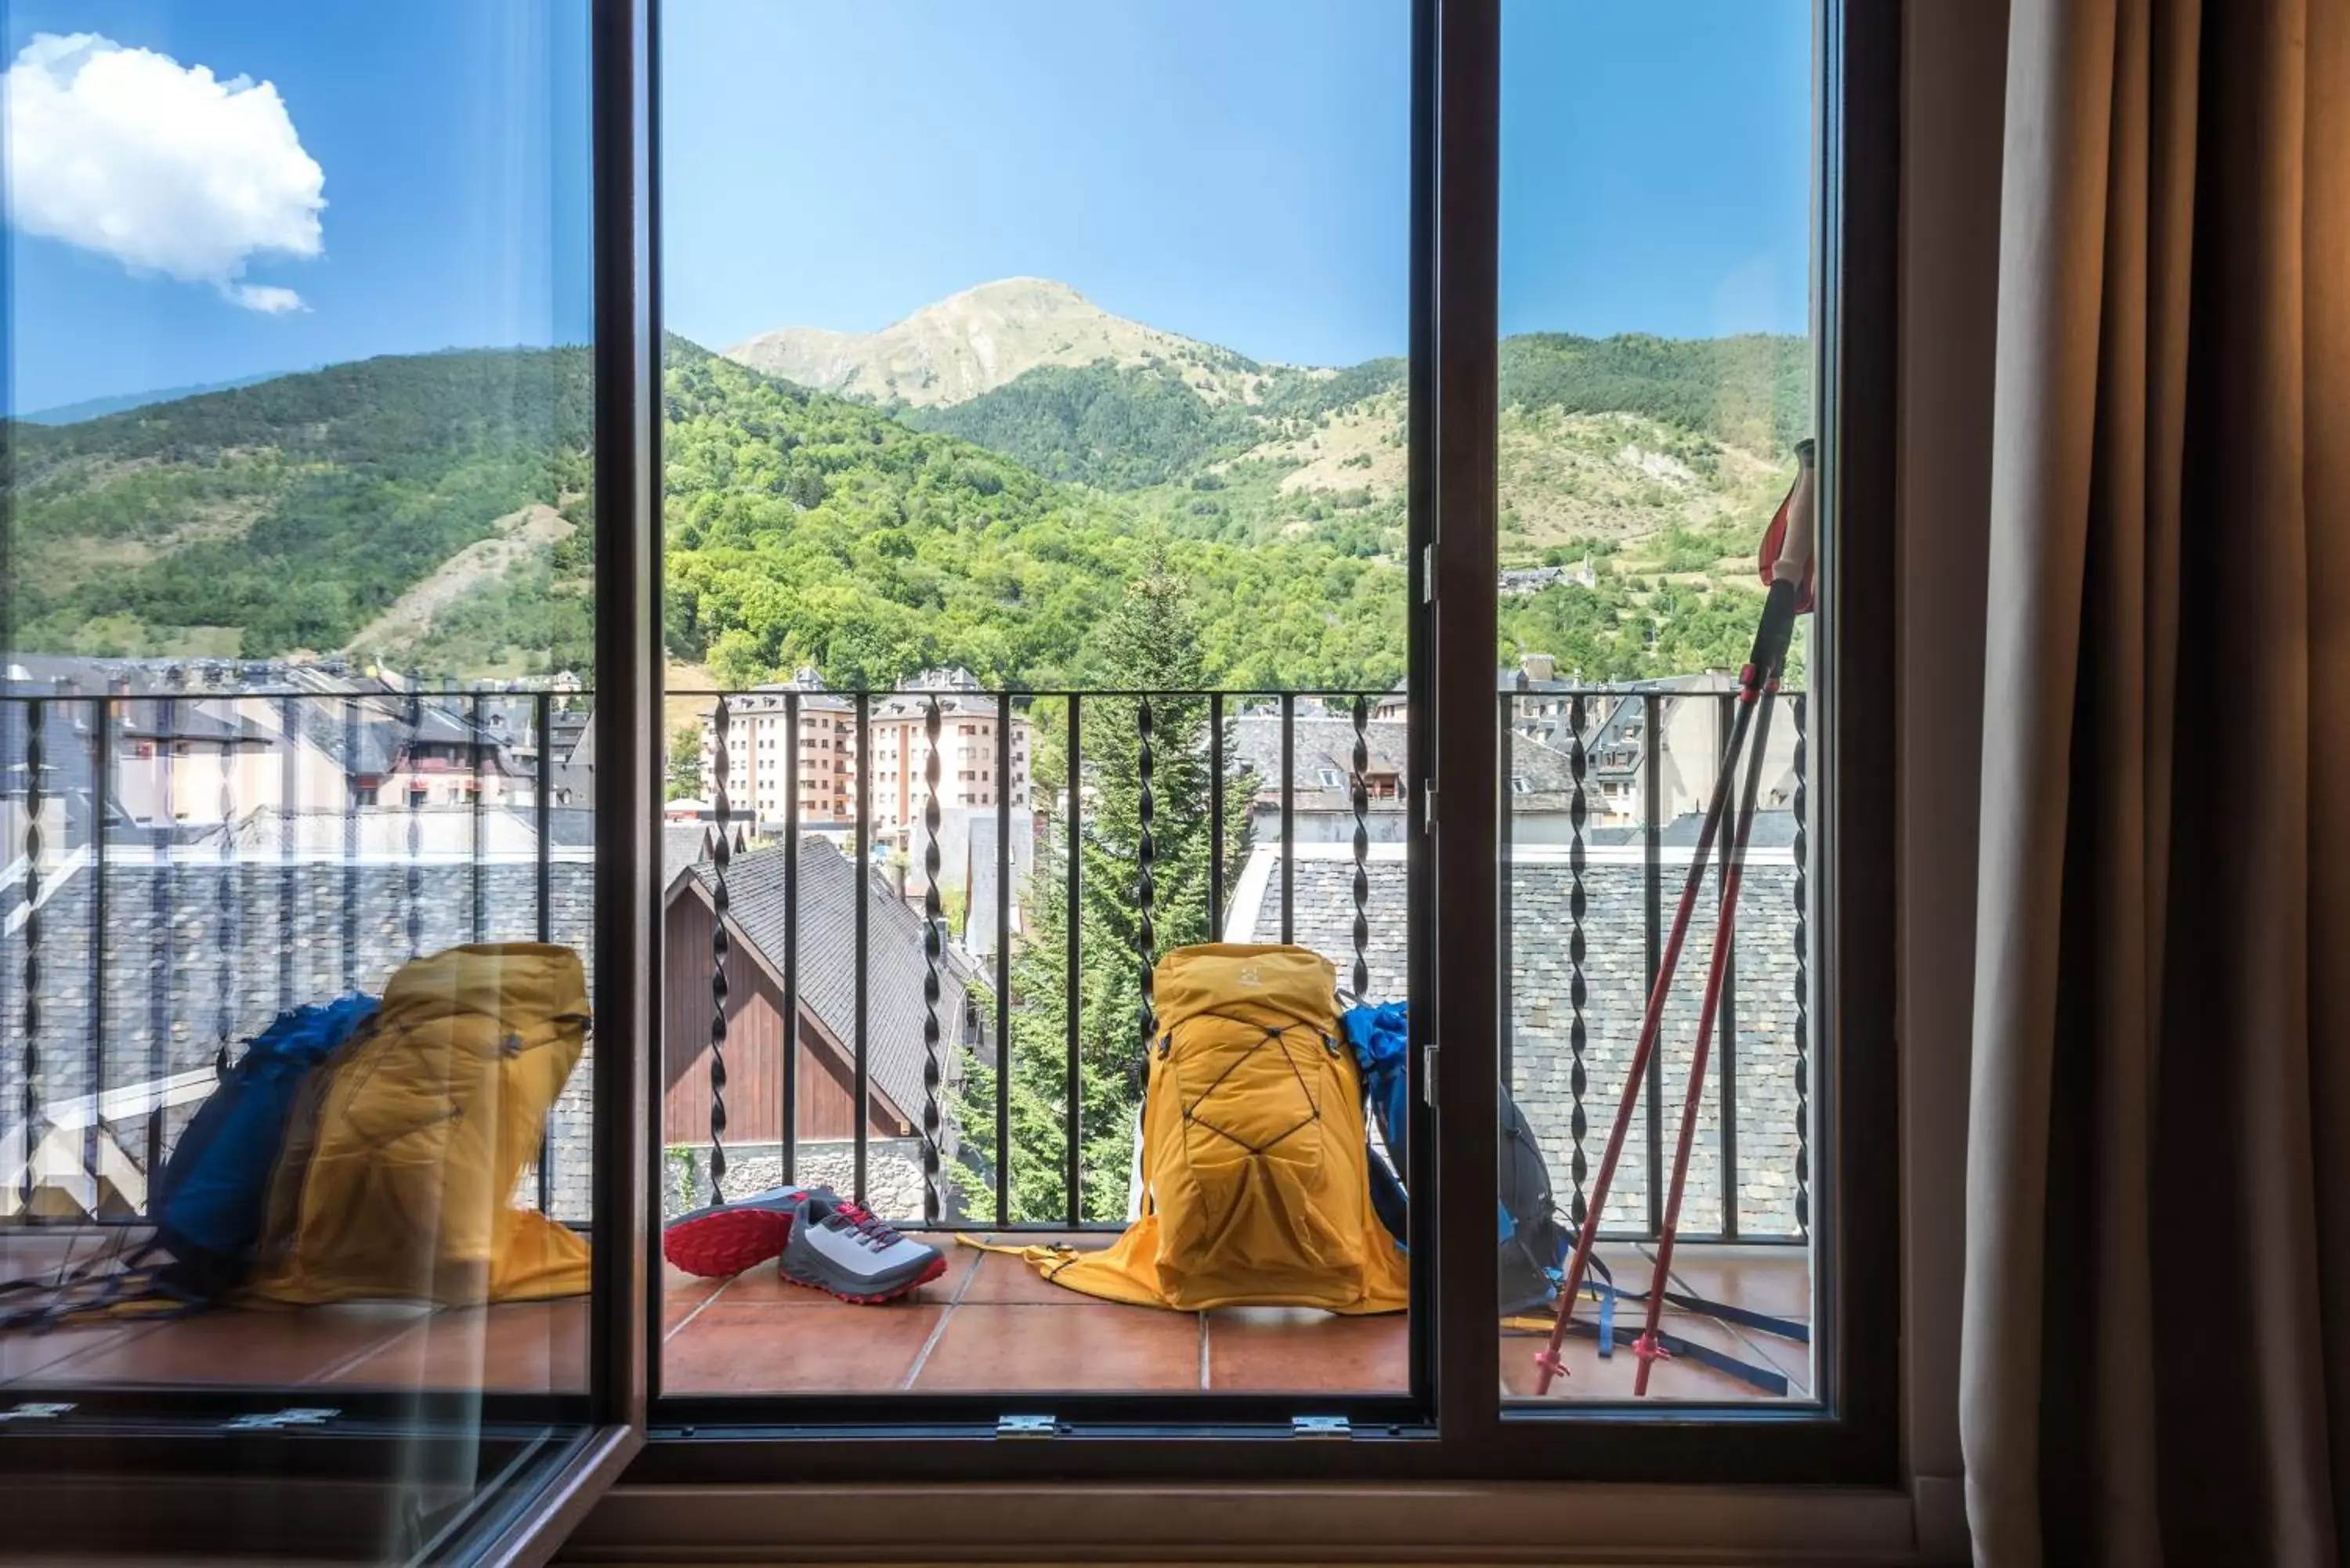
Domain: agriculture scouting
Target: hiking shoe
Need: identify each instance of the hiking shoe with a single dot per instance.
(837, 1248)
(728, 1238)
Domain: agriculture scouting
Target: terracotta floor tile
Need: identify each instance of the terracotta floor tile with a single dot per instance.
(34, 1358)
(1047, 1349)
(263, 1349)
(1593, 1376)
(1004, 1280)
(1774, 1280)
(1280, 1349)
(521, 1346)
(827, 1347)
(766, 1286)
(683, 1294)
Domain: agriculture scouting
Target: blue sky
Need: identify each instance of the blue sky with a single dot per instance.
(1233, 170)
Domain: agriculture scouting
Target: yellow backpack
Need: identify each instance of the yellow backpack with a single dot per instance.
(1254, 1165)
(397, 1175)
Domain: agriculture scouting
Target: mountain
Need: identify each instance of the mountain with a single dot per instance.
(97, 407)
(431, 510)
(1613, 438)
(985, 338)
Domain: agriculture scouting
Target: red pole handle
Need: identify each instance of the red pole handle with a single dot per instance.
(1787, 543)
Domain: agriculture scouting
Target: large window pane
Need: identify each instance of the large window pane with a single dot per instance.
(298, 678)
(1036, 454)
(1655, 375)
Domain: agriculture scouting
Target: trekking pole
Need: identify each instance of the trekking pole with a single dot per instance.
(1546, 1361)
(1646, 1347)
(1788, 554)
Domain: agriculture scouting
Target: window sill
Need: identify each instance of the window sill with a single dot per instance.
(1566, 1522)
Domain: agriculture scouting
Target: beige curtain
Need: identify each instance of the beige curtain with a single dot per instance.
(2156, 1363)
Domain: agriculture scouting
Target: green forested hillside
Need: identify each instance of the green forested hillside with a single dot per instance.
(1116, 427)
(803, 529)
(290, 511)
(352, 504)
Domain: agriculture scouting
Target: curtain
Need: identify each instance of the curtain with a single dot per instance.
(2156, 1342)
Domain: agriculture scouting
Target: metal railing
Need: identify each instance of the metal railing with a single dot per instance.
(192, 923)
(177, 868)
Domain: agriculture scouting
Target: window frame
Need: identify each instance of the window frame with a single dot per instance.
(1452, 1424)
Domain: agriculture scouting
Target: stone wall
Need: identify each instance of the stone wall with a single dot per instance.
(893, 1173)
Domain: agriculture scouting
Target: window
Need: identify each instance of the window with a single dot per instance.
(393, 294)
(1651, 289)
(1054, 605)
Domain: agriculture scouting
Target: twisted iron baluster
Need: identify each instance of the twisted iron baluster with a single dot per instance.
(415, 878)
(933, 1194)
(1145, 890)
(225, 1019)
(289, 789)
(1362, 801)
(721, 852)
(477, 759)
(36, 761)
(162, 963)
(351, 846)
(101, 925)
(1803, 985)
(1577, 1036)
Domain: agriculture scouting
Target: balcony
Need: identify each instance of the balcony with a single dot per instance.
(876, 964)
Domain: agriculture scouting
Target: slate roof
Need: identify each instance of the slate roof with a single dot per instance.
(683, 844)
(1323, 746)
(828, 959)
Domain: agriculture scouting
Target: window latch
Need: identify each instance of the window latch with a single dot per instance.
(35, 1412)
(1320, 1427)
(278, 1420)
(1027, 1426)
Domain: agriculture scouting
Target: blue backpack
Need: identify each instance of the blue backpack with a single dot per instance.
(1532, 1242)
(211, 1199)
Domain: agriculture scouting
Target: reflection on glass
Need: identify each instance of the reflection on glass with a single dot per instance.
(293, 728)
(1021, 455)
(1655, 379)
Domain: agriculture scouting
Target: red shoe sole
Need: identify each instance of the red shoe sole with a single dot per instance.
(727, 1243)
(938, 1267)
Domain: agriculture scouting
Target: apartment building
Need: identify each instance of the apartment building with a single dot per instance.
(760, 758)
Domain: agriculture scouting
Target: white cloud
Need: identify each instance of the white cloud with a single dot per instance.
(265, 298)
(161, 166)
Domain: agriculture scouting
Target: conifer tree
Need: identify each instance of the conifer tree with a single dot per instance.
(1148, 644)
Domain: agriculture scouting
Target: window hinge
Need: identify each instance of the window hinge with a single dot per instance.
(1427, 806)
(1427, 574)
(1320, 1427)
(1428, 1074)
(35, 1413)
(278, 1420)
(1027, 1426)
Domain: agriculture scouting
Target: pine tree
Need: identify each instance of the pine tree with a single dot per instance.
(1148, 643)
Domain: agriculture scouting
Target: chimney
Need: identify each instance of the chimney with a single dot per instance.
(1538, 666)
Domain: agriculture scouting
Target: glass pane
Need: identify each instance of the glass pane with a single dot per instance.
(1656, 376)
(296, 713)
(1036, 598)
